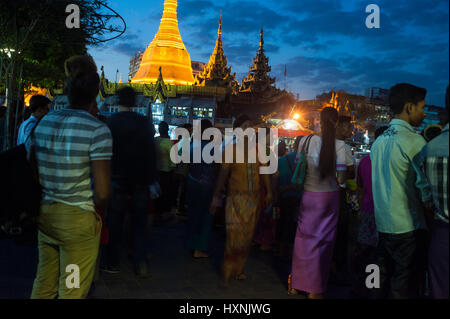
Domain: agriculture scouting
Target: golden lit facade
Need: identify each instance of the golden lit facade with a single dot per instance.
(167, 51)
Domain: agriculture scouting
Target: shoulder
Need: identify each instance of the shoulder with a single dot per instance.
(414, 143)
(313, 139)
(341, 146)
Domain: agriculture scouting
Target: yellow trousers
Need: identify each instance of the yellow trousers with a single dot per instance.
(68, 236)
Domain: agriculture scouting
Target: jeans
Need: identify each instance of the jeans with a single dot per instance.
(402, 260)
(135, 198)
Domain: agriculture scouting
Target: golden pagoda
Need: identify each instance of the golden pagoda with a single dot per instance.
(167, 51)
(217, 72)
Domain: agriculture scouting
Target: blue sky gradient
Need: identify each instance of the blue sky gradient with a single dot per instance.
(325, 44)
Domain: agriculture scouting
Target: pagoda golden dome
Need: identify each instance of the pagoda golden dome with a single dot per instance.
(167, 51)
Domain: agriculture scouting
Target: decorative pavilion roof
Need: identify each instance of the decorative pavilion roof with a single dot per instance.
(217, 72)
(258, 79)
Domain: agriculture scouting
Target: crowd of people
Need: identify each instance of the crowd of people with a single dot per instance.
(93, 172)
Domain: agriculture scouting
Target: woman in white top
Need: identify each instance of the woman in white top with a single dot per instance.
(319, 209)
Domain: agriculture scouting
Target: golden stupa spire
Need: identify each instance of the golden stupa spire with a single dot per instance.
(167, 51)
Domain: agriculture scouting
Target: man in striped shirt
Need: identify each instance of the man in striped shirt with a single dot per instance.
(72, 150)
(431, 165)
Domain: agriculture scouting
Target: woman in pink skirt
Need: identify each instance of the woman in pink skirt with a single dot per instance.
(319, 209)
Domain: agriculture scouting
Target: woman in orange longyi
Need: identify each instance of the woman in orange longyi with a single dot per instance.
(241, 211)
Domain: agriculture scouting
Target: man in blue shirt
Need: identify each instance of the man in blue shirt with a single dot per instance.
(40, 106)
(399, 213)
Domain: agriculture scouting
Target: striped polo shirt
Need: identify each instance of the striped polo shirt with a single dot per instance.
(65, 142)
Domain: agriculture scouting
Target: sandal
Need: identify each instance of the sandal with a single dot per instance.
(292, 292)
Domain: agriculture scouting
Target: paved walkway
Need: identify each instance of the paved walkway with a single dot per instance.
(174, 273)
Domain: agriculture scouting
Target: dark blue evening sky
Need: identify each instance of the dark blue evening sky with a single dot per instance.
(324, 43)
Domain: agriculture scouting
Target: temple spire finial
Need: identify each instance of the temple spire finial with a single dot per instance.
(220, 24)
(261, 41)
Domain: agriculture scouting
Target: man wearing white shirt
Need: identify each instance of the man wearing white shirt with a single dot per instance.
(40, 106)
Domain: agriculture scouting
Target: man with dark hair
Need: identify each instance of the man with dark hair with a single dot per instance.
(72, 150)
(133, 171)
(39, 106)
(431, 165)
(399, 214)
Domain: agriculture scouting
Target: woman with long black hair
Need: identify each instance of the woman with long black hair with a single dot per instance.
(319, 209)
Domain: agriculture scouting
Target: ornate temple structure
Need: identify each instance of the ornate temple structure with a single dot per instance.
(217, 73)
(257, 96)
(167, 51)
(168, 91)
(258, 79)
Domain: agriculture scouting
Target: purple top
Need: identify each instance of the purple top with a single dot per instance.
(365, 181)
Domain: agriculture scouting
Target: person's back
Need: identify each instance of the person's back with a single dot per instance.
(39, 107)
(319, 208)
(431, 165)
(313, 181)
(286, 168)
(65, 142)
(163, 146)
(72, 150)
(133, 149)
(396, 199)
(364, 178)
(399, 213)
(435, 154)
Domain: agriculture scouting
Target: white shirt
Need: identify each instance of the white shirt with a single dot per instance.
(313, 182)
(25, 130)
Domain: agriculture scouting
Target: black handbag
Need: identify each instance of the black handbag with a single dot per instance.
(20, 195)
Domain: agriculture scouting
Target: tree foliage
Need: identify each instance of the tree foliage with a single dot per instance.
(37, 31)
(35, 42)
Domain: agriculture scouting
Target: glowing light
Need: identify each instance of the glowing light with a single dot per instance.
(296, 116)
(291, 125)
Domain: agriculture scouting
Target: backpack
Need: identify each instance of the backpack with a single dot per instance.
(20, 195)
